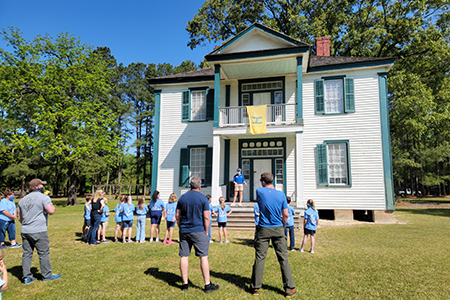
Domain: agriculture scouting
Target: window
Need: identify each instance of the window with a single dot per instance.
(195, 161)
(197, 104)
(279, 171)
(334, 96)
(333, 163)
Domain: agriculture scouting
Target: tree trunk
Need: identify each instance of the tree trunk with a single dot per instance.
(73, 188)
(22, 190)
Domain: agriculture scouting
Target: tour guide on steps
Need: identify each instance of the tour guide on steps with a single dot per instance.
(239, 182)
(273, 214)
(33, 212)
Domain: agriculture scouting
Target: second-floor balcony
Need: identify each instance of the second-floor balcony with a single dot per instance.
(277, 114)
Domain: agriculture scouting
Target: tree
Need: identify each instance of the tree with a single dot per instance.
(62, 83)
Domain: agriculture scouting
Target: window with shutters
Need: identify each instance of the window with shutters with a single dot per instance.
(197, 104)
(195, 161)
(333, 163)
(334, 96)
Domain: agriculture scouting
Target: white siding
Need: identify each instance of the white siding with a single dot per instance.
(290, 167)
(363, 130)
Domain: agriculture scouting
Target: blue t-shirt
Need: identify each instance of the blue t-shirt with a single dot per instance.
(192, 205)
(239, 178)
(141, 212)
(155, 206)
(104, 216)
(8, 205)
(271, 205)
(1, 284)
(222, 218)
(87, 212)
(171, 209)
(290, 220)
(118, 213)
(128, 210)
(211, 208)
(311, 217)
(256, 211)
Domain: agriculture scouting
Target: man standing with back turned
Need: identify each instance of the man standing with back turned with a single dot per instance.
(273, 214)
(33, 212)
(193, 221)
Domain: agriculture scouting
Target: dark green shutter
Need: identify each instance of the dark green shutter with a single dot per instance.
(322, 164)
(210, 104)
(319, 96)
(184, 167)
(208, 166)
(185, 106)
(349, 95)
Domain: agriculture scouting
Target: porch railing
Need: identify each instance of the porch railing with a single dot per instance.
(277, 114)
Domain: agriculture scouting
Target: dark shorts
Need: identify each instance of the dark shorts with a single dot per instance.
(222, 224)
(127, 224)
(88, 222)
(156, 217)
(199, 240)
(308, 231)
(170, 224)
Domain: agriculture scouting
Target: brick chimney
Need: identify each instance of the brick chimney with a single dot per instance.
(323, 46)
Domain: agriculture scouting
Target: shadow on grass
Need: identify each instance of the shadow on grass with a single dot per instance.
(170, 278)
(62, 203)
(17, 271)
(244, 242)
(439, 212)
(242, 282)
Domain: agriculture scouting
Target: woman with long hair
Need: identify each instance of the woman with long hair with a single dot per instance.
(156, 207)
(96, 215)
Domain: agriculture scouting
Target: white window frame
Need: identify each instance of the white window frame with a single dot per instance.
(198, 105)
(334, 96)
(337, 161)
(197, 162)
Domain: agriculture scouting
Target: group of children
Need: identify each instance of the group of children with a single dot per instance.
(157, 211)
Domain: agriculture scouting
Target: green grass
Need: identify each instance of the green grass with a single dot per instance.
(368, 261)
(424, 200)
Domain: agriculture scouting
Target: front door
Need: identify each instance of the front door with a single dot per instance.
(260, 166)
(261, 99)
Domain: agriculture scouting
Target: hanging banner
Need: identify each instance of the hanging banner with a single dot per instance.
(257, 117)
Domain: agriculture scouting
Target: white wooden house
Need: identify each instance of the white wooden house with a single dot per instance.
(327, 134)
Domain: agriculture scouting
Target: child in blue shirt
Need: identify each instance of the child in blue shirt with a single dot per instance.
(170, 210)
(103, 224)
(310, 222)
(156, 207)
(7, 219)
(118, 219)
(127, 210)
(211, 212)
(290, 224)
(87, 217)
(222, 211)
(141, 211)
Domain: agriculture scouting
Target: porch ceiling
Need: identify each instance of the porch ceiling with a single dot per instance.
(260, 69)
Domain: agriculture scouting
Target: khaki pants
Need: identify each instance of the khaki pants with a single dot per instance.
(263, 236)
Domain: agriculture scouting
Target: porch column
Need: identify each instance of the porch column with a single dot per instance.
(299, 90)
(299, 168)
(155, 162)
(215, 188)
(216, 95)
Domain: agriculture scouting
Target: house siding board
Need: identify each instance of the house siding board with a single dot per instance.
(363, 130)
(290, 167)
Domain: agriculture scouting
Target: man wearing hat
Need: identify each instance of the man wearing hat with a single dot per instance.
(33, 213)
(239, 182)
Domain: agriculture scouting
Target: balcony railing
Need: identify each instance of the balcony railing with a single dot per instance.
(277, 114)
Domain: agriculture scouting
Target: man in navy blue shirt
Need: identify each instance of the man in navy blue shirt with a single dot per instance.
(193, 221)
(239, 182)
(273, 214)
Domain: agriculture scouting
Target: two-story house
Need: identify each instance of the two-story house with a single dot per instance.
(327, 135)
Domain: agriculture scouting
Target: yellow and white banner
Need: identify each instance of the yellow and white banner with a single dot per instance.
(257, 117)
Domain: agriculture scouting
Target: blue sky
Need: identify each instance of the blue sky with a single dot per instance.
(150, 31)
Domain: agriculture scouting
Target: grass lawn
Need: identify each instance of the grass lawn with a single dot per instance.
(368, 261)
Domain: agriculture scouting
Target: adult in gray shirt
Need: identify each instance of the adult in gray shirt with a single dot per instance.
(33, 212)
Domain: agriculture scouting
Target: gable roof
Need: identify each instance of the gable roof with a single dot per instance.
(197, 75)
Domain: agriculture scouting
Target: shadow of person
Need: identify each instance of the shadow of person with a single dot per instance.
(17, 271)
(242, 282)
(245, 242)
(170, 278)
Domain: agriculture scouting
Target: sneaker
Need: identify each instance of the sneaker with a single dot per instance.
(15, 245)
(130, 241)
(220, 242)
(211, 241)
(255, 292)
(3, 246)
(185, 287)
(240, 204)
(301, 249)
(233, 204)
(289, 294)
(211, 287)
(227, 241)
(170, 242)
(28, 280)
(151, 240)
(157, 240)
(143, 241)
(292, 249)
(106, 241)
(116, 240)
(311, 251)
(165, 241)
(124, 241)
(53, 277)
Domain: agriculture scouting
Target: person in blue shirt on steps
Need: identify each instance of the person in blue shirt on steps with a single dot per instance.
(239, 182)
